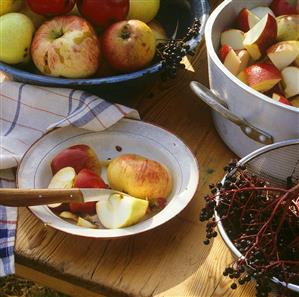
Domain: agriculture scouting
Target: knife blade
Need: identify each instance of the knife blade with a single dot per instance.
(33, 197)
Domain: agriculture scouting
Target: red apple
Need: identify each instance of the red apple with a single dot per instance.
(51, 7)
(78, 157)
(246, 20)
(66, 46)
(282, 7)
(103, 12)
(128, 45)
(262, 77)
(261, 37)
(281, 99)
(233, 38)
(87, 179)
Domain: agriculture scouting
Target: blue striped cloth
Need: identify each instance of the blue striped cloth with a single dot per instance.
(26, 113)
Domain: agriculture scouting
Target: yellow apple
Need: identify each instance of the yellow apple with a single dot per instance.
(139, 177)
(143, 10)
(121, 211)
(7, 6)
(16, 31)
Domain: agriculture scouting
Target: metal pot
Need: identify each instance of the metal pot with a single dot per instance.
(235, 105)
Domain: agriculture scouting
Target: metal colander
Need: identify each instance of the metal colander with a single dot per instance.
(275, 163)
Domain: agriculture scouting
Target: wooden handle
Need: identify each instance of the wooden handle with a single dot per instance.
(31, 197)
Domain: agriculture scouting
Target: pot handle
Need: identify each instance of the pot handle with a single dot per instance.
(218, 105)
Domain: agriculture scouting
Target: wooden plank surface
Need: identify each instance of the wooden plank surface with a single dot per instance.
(168, 261)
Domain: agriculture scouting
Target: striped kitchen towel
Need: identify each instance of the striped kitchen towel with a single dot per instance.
(26, 113)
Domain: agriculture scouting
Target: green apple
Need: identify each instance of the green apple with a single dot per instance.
(7, 6)
(16, 31)
(121, 211)
(143, 10)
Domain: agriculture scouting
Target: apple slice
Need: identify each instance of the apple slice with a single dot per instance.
(282, 54)
(63, 179)
(244, 58)
(261, 36)
(246, 20)
(233, 37)
(121, 211)
(223, 51)
(281, 99)
(230, 59)
(290, 76)
(288, 27)
(262, 77)
(86, 224)
(261, 11)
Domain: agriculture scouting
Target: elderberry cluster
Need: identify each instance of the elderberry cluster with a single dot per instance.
(261, 223)
(172, 52)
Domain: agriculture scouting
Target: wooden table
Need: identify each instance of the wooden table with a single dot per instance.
(168, 261)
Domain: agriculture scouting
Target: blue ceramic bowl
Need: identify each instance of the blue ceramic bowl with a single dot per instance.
(172, 12)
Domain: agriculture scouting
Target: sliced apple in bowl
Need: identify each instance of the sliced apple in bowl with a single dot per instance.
(246, 20)
(261, 37)
(232, 37)
(282, 54)
(121, 211)
(290, 76)
(262, 77)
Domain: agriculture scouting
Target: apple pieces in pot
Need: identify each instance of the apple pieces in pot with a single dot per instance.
(145, 185)
(263, 50)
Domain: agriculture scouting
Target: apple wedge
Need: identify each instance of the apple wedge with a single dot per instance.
(261, 11)
(246, 20)
(262, 77)
(261, 36)
(288, 27)
(281, 99)
(244, 57)
(63, 179)
(282, 54)
(290, 76)
(121, 211)
(230, 59)
(232, 37)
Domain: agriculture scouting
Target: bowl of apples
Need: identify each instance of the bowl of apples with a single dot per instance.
(253, 58)
(147, 174)
(102, 44)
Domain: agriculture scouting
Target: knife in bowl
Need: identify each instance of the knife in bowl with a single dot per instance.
(32, 197)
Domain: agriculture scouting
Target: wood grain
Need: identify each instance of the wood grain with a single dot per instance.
(168, 261)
